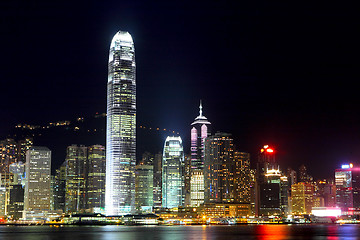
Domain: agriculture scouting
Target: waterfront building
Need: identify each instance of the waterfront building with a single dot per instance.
(284, 195)
(266, 162)
(157, 182)
(222, 171)
(60, 188)
(2, 201)
(96, 177)
(76, 174)
(302, 198)
(243, 182)
(197, 187)
(144, 180)
(270, 193)
(121, 126)
(347, 180)
(37, 187)
(173, 173)
(200, 129)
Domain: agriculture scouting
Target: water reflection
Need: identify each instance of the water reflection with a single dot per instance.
(272, 232)
(263, 232)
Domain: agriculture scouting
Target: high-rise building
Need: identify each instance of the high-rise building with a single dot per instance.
(76, 176)
(96, 177)
(173, 173)
(60, 188)
(144, 180)
(347, 180)
(200, 129)
(8, 155)
(220, 170)
(244, 180)
(302, 198)
(23, 146)
(157, 182)
(37, 187)
(303, 175)
(121, 126)
(270, 193)
(266, 164)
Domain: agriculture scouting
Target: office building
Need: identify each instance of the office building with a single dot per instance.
(221, 170)
(302, 198)
(121, 126)
(347, 181)
(96, 178)
(144, 180)
(157, 182)
(76, 174)
(173, 173)
(200, 129)
(37, 187)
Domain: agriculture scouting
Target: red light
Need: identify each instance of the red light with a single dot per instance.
(269, 150)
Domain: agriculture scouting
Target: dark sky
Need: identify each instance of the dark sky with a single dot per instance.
(282, 73)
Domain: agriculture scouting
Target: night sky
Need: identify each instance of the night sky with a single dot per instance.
(282, 73)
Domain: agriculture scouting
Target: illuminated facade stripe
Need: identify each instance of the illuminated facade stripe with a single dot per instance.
(121, 126)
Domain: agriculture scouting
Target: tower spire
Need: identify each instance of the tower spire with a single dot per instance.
(200, 109)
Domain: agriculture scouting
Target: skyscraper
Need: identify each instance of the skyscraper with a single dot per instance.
(347, 180)
(173, 173)
(121, 126)
(200, 129)
(96, 178)
(37, 187)
(76, 174)
(221, 171)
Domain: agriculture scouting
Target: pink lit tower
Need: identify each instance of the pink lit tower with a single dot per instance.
(200, 129)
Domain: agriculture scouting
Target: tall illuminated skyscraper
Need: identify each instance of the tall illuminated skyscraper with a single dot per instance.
(173, 173)
(121, 126)
(200, 129)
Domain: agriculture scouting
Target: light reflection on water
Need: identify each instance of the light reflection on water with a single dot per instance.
(260, 232)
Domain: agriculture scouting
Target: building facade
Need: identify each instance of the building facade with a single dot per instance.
(173, 173)
(121, 126)
(38, 182)
(222, 171)
(96, 178)
(200, 129)
(347, 181)
(76, 176)
(302, 198)
(144, 180)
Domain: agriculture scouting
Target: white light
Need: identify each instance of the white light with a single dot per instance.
(326, 212)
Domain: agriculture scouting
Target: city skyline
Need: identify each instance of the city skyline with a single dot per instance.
(284, 83)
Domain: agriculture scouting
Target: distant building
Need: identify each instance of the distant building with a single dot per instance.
(303, 175)
(270, 193)
(76, 176)
(244, 181)
(60, 188)
(200, 129)
(37, 187)
(347, 180)
(157, 182)
(96, 178)
(144, 180)
(15, 207)
(302, 198)
(223, 171)
(173, 173)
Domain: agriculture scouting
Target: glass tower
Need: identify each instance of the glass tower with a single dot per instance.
(173, 173)
(121, 126)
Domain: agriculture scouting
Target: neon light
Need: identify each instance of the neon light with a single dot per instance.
(269, 150)
(344, 166)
